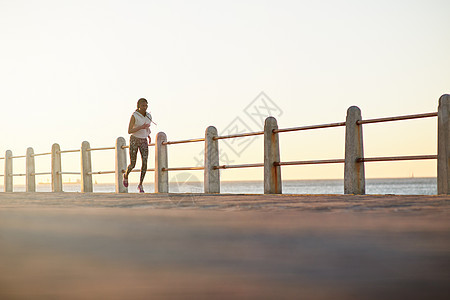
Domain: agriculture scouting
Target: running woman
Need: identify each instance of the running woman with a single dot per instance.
(139, 128)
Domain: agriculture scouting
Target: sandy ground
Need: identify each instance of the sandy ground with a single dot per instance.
(174, 246)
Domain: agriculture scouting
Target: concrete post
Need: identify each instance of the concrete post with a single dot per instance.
(443, 164)
(211, 176)
(56, 169)
(86, 167)
(354, 177)
(31, 178)
(272, 173)
(8, 171)
(121, 165)
(161, 161)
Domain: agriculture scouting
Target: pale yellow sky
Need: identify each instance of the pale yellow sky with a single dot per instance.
(73, 71)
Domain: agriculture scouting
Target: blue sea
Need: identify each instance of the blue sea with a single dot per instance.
(182, 184)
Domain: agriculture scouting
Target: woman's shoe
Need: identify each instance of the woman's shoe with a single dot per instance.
(125, 181)
(140, 188)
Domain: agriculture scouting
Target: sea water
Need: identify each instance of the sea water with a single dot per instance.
(398, 186)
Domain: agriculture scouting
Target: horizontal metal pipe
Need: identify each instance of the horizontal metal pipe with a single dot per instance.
(68, 151)
(309, 127)
(183, 169)
(69, 173)
(397, 158)
(104, 148)
(238, 166)
(18, 174)
(101, 172)
(40, 154)
(399, 118)
(45, 173)
(19, 156)
(136, 171)
(310, 162)
(2, 158)
(238, 135)
(183, 141)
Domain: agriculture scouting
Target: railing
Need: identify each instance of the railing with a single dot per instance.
(354, 161)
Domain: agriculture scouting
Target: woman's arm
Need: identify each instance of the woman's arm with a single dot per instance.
(131, 125)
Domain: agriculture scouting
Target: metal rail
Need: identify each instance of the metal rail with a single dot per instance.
(310, 162)
(40, 154)
(68, 151)
(397, 158)
(399, 118)
(104, 148)
(309, 127)
(101, 172)
(18, 156)
(238, 166)
(183, 169)
(368, 121)
(238, 135)
(183, 141)
(68, 173)
(370, 159)
(136, 171)
(33, 174)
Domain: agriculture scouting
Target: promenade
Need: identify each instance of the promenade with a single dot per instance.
(202, 246)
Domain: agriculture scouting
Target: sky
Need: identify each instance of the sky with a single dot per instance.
(72, 71)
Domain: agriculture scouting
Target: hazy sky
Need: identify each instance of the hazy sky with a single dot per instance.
(73, 70)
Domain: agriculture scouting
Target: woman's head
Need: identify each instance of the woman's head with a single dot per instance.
(142, 104)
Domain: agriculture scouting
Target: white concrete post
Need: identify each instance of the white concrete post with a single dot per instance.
(272, 173)
(211, 176)
(56, 169)
(121, 165)
(8, 171)
(86, 168)
(354, 177)
(31, 177)
(161, 161)
(443, 164)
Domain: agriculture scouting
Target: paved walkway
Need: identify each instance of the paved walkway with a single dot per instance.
(132, 246)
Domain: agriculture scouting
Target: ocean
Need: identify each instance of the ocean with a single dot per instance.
(397, 186)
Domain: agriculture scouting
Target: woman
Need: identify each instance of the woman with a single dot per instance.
(139, 128)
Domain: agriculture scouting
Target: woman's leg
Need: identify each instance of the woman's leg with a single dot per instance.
(143, 148)
(133, 155)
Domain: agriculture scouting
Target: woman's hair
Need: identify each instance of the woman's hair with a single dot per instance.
(140, 101)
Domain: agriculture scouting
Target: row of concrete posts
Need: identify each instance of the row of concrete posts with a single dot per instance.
(354, 176)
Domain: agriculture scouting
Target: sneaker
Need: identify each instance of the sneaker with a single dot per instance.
(140, 188)
(125, 181)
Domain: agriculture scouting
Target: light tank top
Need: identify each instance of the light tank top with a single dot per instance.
(140, 120)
